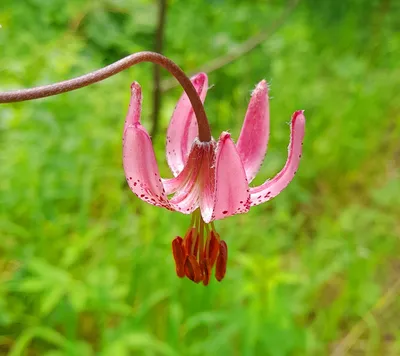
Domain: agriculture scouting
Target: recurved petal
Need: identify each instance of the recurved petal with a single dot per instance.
(271, 188)
(231, 187)
(140, 166)
(253, 139)
(183, 129)
(135, 106)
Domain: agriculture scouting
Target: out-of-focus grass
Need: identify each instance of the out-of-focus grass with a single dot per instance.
(86, 268)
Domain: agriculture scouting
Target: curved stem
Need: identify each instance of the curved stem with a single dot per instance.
(110, 70)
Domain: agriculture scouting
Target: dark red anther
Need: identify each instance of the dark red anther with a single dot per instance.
(196, 243)
(190, 239)
(220, 268)
(213, 248)
(187, 242)
(206, 268)
(193, 270)
(179, 256)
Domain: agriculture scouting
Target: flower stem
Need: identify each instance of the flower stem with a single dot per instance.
(110, 70)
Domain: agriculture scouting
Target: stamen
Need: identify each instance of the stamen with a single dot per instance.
(199, 251)
(179, 256)
(195, 244)
(201, 242)
(196, 235)
(213, 247)
(187, 242)
(205, 265)
(220, 269)
(193, 270)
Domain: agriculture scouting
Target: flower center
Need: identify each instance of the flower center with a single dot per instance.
(199, 251)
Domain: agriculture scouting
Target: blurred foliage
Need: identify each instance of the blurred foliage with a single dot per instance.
(86, 268)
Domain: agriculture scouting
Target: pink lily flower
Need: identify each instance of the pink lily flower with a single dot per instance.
(211, 179)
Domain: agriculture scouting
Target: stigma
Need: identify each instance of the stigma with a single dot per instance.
(199, 252)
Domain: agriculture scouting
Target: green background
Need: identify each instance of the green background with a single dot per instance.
(86, 268)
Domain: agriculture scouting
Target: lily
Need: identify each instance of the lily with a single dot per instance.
(211, 178)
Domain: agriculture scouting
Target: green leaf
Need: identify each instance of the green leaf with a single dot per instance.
(51, 299)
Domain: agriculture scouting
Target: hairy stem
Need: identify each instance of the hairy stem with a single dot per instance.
(110, 70)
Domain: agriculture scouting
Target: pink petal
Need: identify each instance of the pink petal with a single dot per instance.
(187, 187)
(190, 170)
(139, 161)
(186, 200)
(189, 184)
(135, 106)
(231, 187)
(253, 139)
(271, 188)
(207, 196)
(182, 129)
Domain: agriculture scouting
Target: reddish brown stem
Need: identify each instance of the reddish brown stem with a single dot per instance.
(110, 70)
